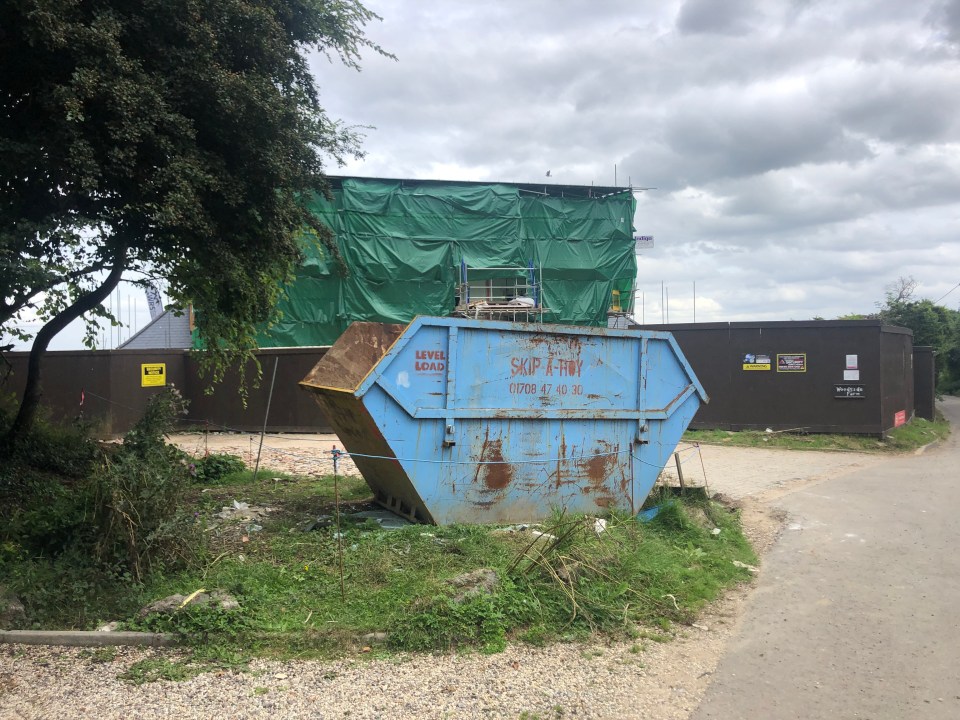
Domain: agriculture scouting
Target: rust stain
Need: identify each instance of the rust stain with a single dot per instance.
(561, 456)
(572, 342)
(483, 450)
(624, 480)
(603, 465)
(603, 501)
(354, 355)
(498, 475)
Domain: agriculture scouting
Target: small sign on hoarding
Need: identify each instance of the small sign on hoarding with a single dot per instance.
(900, 418)
(849, 390)
(153, 375)
(792, 362)
(756, 361)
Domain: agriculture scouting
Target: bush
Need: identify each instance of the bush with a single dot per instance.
(79, 521)
(214, 468)
(138, 493)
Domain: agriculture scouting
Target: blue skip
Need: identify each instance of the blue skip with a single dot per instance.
(454, 420)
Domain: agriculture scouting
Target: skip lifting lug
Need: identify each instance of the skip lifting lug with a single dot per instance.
(448, 441)
(641, 432)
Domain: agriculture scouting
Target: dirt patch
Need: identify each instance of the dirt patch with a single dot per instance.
(762, 524)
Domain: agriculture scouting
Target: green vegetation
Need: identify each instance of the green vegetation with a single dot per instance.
(932, 324)
(81, 523)
(915, 434)
(554, 588)
(218, 468)
(131, 525)
(169, 140)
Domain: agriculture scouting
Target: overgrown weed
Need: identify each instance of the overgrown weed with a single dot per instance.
(83, 524)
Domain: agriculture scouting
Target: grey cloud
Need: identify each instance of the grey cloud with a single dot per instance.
(799, 147)
(945, 16)
(734, 17)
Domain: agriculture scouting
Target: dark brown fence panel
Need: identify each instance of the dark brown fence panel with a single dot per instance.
(291, 409)
(112, 383)
(821, 376)
(924, 381)
(108, 380)
(896, 360)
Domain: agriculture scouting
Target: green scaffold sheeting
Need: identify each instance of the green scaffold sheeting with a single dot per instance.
(403, 242)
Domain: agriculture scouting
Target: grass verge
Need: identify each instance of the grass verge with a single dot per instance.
(566, 583)
(915, 434)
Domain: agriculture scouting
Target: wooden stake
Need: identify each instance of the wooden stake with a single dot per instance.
(676, 459)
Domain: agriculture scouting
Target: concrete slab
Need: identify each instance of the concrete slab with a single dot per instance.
(86, 638)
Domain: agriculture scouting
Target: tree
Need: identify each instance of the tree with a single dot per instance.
(901, 289)
(170, 138)
(932, 325)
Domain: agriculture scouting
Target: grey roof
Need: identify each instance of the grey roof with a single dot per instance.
(167, 332)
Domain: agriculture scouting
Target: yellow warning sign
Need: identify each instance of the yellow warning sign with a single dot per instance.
(153, 374)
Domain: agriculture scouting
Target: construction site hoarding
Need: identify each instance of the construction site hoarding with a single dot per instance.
(824, 376)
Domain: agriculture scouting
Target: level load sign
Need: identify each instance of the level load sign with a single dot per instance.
(153, 374)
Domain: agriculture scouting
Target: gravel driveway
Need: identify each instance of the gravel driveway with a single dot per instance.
(641, 679)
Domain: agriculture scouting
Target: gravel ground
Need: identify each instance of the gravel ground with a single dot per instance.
(298, 454)
(642, 679)
(595, 680)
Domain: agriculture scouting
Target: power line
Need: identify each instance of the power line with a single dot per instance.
(948, 292)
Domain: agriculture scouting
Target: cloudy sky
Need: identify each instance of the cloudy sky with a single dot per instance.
(804, 154)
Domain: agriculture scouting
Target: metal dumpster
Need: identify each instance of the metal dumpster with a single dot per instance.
(455, 420)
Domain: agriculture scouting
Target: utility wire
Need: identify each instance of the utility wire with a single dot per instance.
(948, 292)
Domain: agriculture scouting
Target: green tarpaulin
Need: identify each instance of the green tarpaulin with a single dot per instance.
(403, 243)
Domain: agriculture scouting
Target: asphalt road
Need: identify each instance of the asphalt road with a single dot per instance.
(857, 613)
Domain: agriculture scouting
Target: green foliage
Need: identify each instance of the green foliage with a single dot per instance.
(169, 139)
(138, 492)
(653, 574)
(65, 451)
(65, 590)
(73, 545)
(215, 468)
(443, 624)
(933, 325)
(287, 580)
(199, 625)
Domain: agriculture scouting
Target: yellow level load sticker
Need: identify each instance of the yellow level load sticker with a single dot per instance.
(153, 374)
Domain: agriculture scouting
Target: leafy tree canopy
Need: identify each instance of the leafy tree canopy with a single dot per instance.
(164, 138)
(932, 324)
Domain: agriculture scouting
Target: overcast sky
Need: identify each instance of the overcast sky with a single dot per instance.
(804, 154)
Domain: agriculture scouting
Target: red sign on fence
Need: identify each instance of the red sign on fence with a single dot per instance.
(900, 418)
